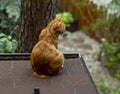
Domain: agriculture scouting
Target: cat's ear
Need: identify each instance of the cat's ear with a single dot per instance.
(59, 18)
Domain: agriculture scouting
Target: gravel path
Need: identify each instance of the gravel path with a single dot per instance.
(88, 48)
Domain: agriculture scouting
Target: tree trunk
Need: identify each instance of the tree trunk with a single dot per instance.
(35, 15)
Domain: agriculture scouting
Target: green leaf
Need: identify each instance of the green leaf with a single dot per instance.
(67, 18)
(7, 44)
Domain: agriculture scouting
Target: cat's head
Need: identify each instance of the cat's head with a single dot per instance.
(56, 26)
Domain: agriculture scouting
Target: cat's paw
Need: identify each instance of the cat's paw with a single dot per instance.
(62, 66)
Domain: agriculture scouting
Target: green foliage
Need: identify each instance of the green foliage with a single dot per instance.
(103, 87)
(7, 44)
(114, 7)
(67, 18)
(117, 91)
(9, 14)
(108, 29)
(109, 26)
(111, 54)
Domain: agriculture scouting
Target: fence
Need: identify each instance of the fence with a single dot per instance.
(85, 11)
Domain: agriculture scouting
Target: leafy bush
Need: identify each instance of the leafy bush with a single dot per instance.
(108, 29)
(110, 53)
(103, 87)
(117, 91)
(7, 44)
(67, 18)
(9, 14)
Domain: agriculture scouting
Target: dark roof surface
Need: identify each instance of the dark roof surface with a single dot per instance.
(16, 78)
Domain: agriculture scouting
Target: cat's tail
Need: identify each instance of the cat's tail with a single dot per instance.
(40, 75)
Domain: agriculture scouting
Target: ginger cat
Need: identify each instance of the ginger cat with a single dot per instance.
(46, 60)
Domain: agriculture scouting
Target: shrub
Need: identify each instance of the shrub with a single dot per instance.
(108, 30)
(67, 18)
(103, 87)
(7, 43)
(9, 15)
(117, 91)
(110, 54)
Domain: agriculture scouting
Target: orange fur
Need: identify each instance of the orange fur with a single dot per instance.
(46, 60)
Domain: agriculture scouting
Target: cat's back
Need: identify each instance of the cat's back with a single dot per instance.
(44, 50)
(46, 59)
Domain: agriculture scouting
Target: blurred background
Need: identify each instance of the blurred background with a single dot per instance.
(92, 29)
